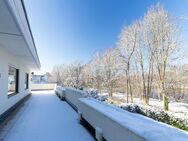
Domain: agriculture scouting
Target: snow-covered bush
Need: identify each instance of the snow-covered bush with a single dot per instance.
(132, 108)
(157, 114)
(94, 94)
(165, 117)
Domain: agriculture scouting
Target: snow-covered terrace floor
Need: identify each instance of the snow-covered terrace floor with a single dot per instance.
(44, 118)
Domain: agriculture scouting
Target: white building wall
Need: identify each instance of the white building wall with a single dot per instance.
(7, 59)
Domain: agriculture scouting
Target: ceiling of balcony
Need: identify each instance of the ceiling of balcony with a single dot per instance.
(11, 37)
(8, 24)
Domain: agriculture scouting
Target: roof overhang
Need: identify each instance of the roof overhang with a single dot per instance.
(15, 33)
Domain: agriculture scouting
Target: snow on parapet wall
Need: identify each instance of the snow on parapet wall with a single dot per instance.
(72, 95)
(144, 127)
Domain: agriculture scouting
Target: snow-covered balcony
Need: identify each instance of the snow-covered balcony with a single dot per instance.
(45, 117)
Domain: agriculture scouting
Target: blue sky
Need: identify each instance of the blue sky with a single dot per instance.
(68, 30)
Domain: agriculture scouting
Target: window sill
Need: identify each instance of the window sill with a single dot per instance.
(12, 94)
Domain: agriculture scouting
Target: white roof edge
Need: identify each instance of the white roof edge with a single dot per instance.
(18, 11)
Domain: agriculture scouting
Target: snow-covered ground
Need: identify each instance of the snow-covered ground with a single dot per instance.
(45, 118)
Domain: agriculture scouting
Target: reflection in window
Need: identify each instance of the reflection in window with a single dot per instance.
(12, 80)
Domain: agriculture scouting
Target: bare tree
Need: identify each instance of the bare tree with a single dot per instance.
(127, 43)
(140, 52)
(57, 75)
(86, 76)
(96, 65)
(75, 70)
(109, 70)
(163, 37)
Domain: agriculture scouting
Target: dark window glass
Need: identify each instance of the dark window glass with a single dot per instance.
(13, 80)
(26, 81)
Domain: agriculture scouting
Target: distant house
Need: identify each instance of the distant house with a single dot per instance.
(18, 54)
(40, 79)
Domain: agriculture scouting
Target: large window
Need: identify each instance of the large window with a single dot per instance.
(13, 75)
(26, 81)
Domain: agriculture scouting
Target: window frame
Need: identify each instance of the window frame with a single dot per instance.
(16, 81)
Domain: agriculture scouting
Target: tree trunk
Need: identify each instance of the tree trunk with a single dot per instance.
(165, 99)
(110, 91)
(128, 82)
(144, 86)
(130, 89)
(127, 89)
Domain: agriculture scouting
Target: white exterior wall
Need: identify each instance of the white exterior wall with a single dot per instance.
(7, 59)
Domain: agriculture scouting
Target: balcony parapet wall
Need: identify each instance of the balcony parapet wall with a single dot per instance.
(115, 124)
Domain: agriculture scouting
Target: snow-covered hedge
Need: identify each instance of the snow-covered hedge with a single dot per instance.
(94, 94)
(157, 114)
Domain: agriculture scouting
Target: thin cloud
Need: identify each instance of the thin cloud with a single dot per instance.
(184, 17)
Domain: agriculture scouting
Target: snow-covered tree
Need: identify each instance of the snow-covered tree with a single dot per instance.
(96, 71)
(127, 43)
(163, 39)
(75, 74)
(110, 70)
(57, 75)
(86, 76)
